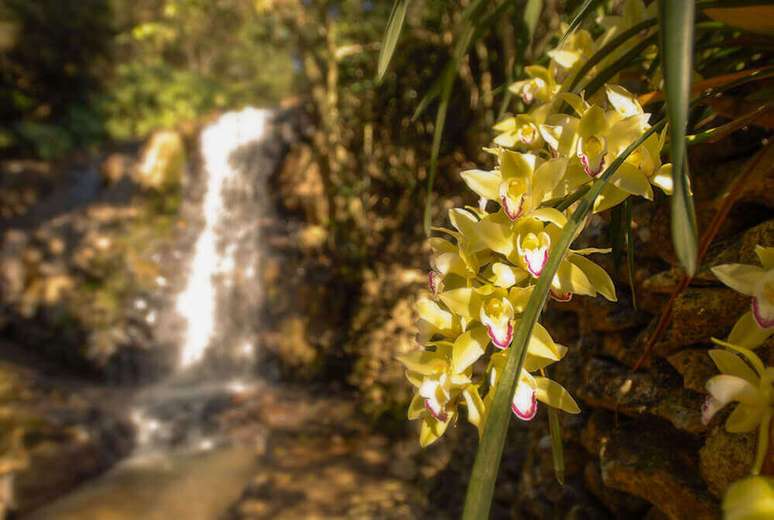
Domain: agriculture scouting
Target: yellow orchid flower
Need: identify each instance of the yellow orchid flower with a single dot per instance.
(755, 326)
(531, 389)
(442, 379)
(540, 86)
(748, 383)
(576, 49)
(751, 498)
(522, 130)
(520, 184)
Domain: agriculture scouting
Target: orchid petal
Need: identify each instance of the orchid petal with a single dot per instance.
(663, 179)
(744, 418)
(766, 256)
(484, 183)
(729, 363)
(468, 348)
(555, 395)
(727, 388)
(598, 277)
(747, 333)
(740, 277)
(506, 275)
(465, 302)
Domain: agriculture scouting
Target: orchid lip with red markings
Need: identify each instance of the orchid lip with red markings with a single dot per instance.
(762, 321)
(562, 297)
(440, 414)
(510, 211)
(434, 281)
(524, 404)
(587, 169)
(501, 342)
(536, 261)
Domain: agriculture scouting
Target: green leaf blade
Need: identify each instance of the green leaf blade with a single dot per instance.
(391, 36)
(676, 36)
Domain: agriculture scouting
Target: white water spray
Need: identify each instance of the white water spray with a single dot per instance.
(213, 253)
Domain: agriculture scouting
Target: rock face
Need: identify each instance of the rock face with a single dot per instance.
(163, 161)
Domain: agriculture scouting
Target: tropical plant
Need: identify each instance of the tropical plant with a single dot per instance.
(579, 143)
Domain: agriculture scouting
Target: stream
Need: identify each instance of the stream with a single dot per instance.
(188, 462)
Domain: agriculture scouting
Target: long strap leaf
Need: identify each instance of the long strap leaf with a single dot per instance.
(391, 36)
(577, 18)
(478, 499)
(676, 35)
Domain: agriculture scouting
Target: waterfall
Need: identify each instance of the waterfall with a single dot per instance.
(215, 255)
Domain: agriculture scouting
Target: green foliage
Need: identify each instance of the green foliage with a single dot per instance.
(54, 56)
(676, 21)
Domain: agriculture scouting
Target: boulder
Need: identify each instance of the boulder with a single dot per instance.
(162, 161)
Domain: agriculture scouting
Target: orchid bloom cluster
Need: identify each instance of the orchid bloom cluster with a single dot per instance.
(743, 377)
(757, 324)
(485, 267)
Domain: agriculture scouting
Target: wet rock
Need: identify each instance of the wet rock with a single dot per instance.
(658, 464)
(725, 457)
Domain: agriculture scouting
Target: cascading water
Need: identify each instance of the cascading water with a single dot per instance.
(186, 463)
(215, 253)
(220, 302)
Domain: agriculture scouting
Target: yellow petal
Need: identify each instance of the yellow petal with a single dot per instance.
(430, 312)
(465, 302)
(468, 348)
(742, 278)
(751, 498)
(598, 277)
(570, 278)
(416, 408)
(622, 101)
(746, 332)
(610, 196)
(726, 388)
(476, 409)
(729, 363)
(766, 256)
(744, 418)
(432, 429)
(517, 165)
(663, 179)
(507, 275)
(547, 176)
(593, 122)
(631, 180)
(423, 362)
(553, 394)
(497, 237)
(550, 215)
(485, 184)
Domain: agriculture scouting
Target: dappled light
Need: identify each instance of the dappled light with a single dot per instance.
(408, 259)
